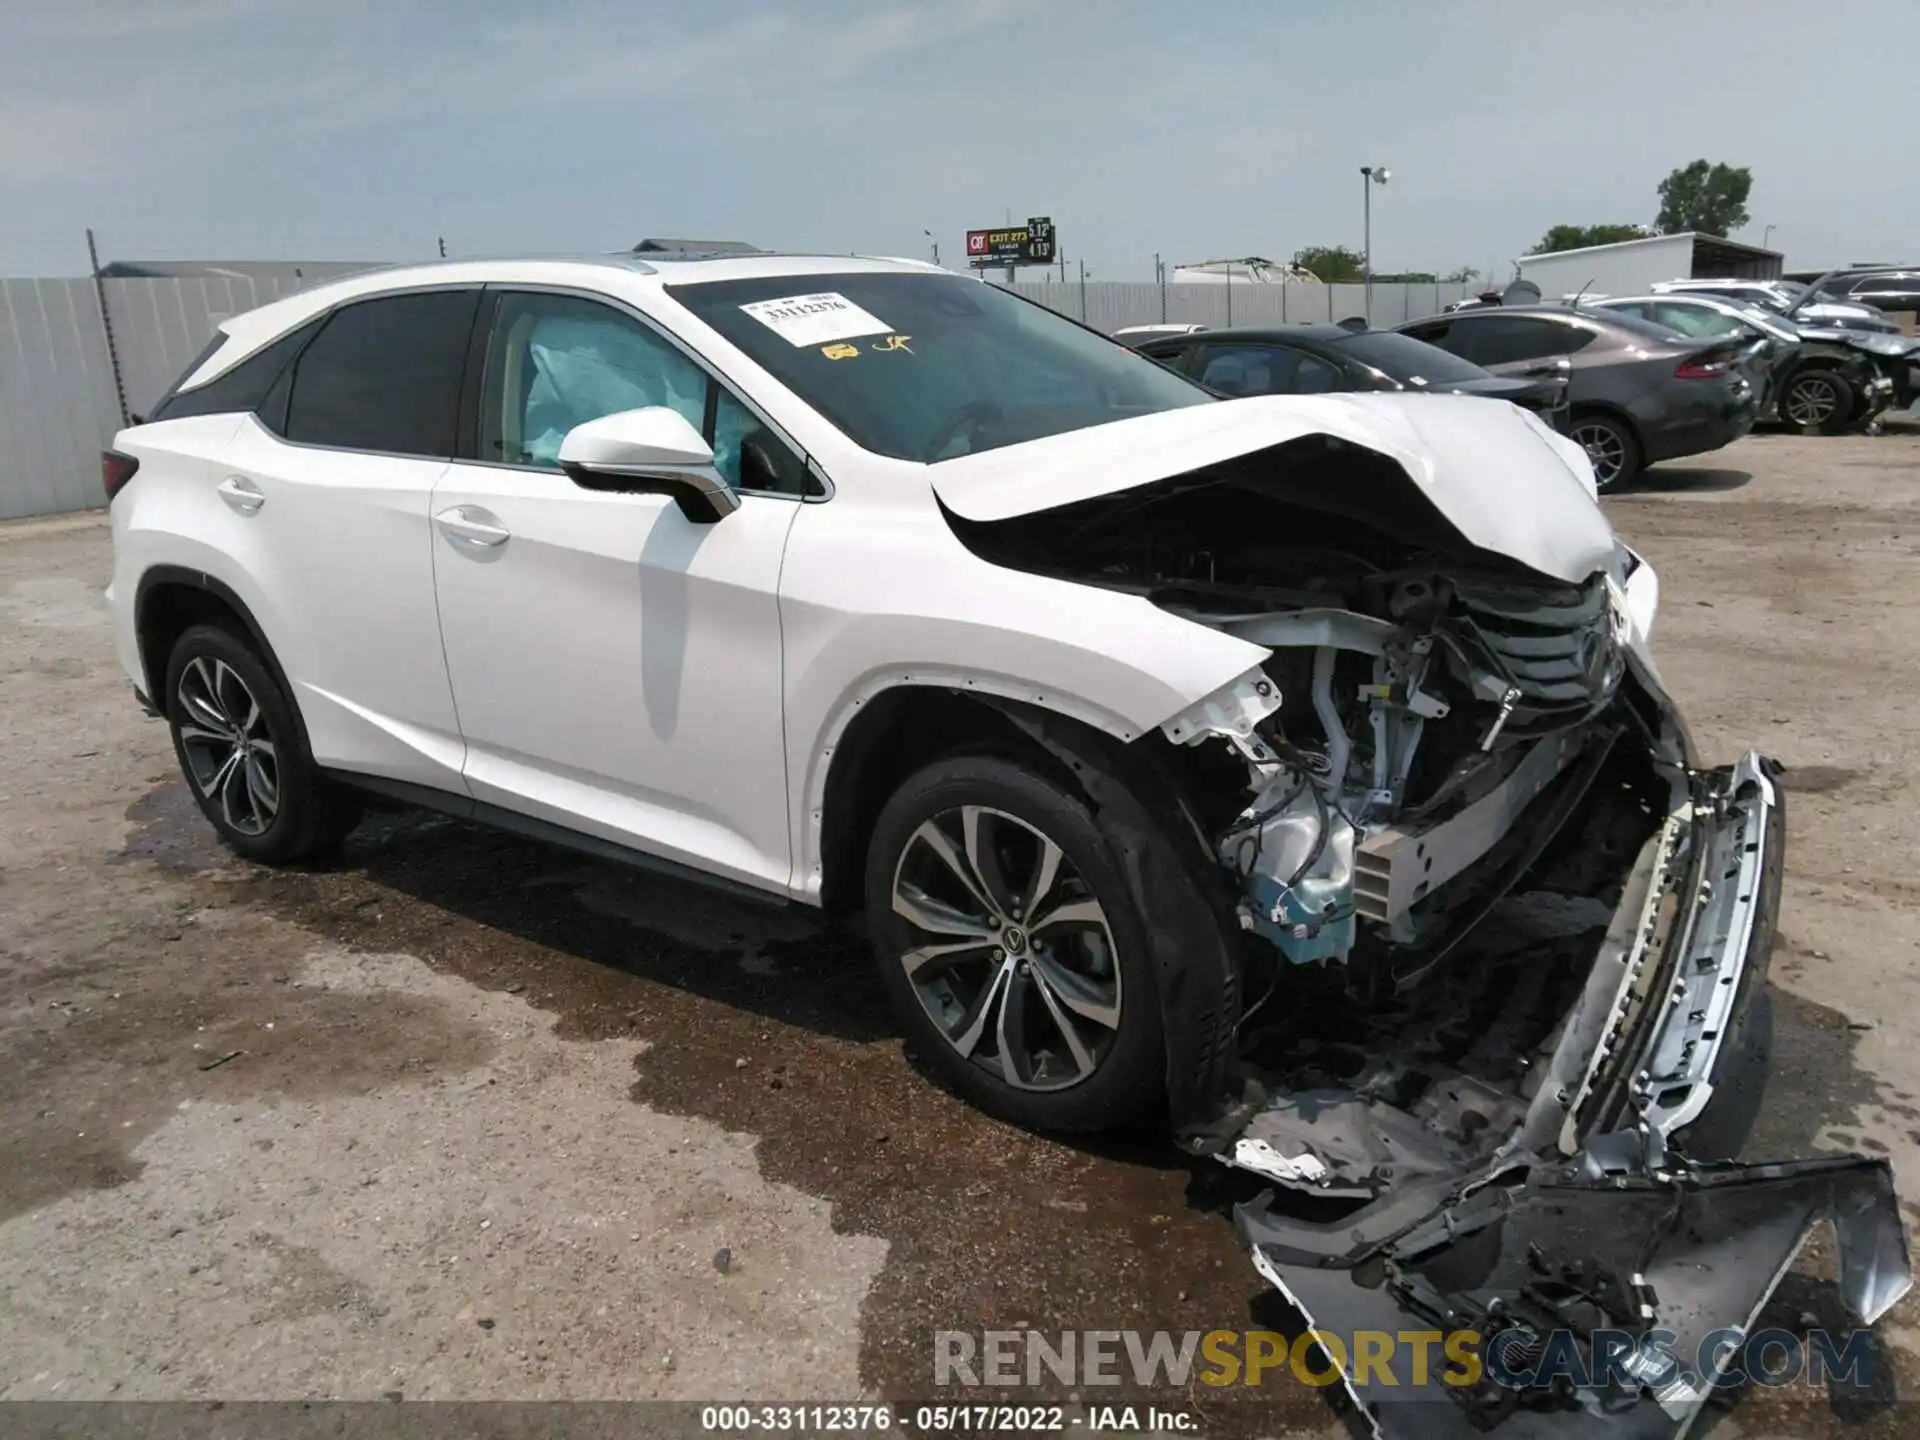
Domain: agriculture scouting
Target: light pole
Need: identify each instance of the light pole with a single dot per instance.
(1766, 237)
(1370, 176)
(936, 245)
(1083, 292)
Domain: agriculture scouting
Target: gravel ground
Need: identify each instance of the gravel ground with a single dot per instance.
(463, 1117)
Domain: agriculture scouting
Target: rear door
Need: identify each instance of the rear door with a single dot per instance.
(329, 483)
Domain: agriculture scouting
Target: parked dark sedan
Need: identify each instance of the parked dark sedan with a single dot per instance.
(1638, 391)
(1325, 359)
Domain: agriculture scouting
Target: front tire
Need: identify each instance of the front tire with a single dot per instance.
(1013, 949)
(1818, 402)
(244, 754)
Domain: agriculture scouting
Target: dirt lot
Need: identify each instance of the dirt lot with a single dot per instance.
(465, 1117)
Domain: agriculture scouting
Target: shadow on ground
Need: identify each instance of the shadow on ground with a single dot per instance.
(769, 1023)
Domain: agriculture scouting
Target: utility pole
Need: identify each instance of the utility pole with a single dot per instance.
(1160, 279)
(1083, 292)
(443, 247)
(1370, 176)
(106, 324)
(936, 244)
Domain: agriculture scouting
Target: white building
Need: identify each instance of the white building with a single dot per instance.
(1250, 271)
(1629, 267)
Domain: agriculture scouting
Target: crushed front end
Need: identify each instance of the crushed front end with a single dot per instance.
(1504, 1020)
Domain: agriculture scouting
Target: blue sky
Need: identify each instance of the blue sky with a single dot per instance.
(270, 129)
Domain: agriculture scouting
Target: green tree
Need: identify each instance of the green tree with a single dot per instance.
(1709, 198)
(1578, 237)
(1465, 275)
(1333, 264)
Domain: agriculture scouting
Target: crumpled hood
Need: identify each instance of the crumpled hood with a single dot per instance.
(1501, 477)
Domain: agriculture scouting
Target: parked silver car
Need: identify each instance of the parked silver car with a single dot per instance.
(1812, 378)
(1638, 392)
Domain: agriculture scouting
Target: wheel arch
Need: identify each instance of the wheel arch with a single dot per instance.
(170, 600)
(889, 736)
(1136, 789)
(1612, 410)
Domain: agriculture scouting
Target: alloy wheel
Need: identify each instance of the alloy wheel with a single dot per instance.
(1606, 451)
(1811, 401)
(229, 749)
(1013, 958)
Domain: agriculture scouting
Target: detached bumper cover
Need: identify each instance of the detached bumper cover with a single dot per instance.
(1587, 1229)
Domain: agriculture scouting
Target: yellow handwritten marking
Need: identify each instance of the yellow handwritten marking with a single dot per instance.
(895, 342)
(839, 352)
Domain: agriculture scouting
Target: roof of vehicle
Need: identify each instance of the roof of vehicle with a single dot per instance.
(250, 330)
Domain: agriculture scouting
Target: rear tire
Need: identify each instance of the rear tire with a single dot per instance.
(1023, 975)
(244, 754)
(1611, 446)
(1818, 402)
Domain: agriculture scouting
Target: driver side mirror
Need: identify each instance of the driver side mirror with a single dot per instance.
(654, 451)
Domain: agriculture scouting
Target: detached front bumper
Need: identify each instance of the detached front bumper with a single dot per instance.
(1599, 1270)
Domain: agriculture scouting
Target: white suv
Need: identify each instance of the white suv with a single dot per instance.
(858, 584)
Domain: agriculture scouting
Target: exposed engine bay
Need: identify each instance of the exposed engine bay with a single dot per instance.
(1524, 1127)
(1421, 700)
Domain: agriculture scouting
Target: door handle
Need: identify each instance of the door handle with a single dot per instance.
(471, 524)
(241, 494)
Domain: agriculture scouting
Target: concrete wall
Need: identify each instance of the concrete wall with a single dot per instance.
(59, 405)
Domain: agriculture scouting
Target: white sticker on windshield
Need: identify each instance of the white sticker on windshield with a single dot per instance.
(815, 319)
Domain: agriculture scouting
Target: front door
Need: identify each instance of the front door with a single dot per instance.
(616, 667)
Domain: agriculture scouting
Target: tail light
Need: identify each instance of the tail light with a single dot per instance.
(115, 471)
(1704, 367)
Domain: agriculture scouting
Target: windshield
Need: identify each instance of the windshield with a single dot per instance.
(928, 367)
(1409, 360)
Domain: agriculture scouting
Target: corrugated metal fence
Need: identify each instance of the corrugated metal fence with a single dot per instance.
(59, 406)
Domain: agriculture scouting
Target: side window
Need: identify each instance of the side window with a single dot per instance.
(1249, 370)
(1507, 339)
(1316, 377)
(384, 375)
(557, 361)
(1695, 320)
(748, 454)
(1445, 335)
(1631, 307)
(247, 386)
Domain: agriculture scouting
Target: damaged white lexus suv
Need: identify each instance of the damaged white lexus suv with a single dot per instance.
(1294, 767)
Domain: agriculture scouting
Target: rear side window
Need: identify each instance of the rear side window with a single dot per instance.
(243, 388)
(1506, 339)
(384, 375)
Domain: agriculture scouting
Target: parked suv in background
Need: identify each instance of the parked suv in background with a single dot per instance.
(1637, 392)
(1887, 290)
(1329, 359)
